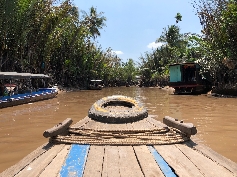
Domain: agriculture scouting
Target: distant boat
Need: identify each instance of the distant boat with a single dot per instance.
(185, 78)
(95, 85)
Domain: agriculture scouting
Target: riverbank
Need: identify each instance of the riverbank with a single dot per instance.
(225, 92)
(62, 89)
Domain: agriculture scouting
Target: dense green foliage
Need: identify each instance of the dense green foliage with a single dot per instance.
(175, 48)
(214, 49)
(219, 42)
(51, 37)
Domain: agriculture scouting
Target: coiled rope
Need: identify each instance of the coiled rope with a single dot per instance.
(159, 136)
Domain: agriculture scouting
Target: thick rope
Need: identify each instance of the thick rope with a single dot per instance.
(122, 137)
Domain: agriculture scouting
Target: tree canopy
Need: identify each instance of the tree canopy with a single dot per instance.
(53, 37)
(214, 49)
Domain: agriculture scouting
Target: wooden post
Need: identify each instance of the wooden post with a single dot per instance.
(187, 128)
(59, 129)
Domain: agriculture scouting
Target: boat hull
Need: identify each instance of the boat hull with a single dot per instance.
(26, 98)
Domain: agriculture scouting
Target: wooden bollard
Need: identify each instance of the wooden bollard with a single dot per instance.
(59, 129)
(187, 128)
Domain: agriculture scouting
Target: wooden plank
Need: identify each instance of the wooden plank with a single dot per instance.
(54, 167)
(81, 122)
(120, 127)
(123, 126)
(208, 152)
(136, 126)
(206, 166)
(90, 125)
(128, 163)
(140, 125)
(165, 168)
(94, 162)
(101, 126)
(147, 163)
(111, 162)
(129, 126)
(13, 170)
(178, 161)
(75, 161)
(113, 126)
(156, 123)
(95, 125)
(149, 124)
(37, 166)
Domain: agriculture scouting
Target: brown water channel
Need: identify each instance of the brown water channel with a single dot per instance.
(21, 127)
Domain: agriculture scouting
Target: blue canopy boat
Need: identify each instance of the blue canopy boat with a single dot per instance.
(16, 88)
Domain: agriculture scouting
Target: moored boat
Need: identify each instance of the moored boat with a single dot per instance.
(185, 78)
(20, 88)
(95, 85)
(119, 138)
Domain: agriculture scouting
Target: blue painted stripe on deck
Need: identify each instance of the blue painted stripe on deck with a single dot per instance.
(75, 162)
(162, 163)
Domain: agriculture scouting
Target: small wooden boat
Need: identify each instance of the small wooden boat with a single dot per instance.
(119, 138)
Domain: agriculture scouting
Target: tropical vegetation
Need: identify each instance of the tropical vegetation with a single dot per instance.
(54, 37)
(214, 48)
(51, 37)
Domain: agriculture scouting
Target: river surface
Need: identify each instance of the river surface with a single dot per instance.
(22, 127)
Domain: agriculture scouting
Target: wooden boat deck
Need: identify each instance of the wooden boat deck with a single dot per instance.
(185, 159)
(145, 124)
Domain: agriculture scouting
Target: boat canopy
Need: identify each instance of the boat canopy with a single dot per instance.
(15, 75)
(39, 76)
(96, 80)
(186, 63)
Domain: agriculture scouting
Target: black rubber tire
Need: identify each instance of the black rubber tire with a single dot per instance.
(134, 112)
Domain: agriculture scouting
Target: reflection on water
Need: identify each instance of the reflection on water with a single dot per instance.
(21, 127)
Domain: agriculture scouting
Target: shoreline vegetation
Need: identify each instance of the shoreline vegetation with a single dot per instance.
(47, 37)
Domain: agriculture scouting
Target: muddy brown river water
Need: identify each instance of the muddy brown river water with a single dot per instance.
(21, 127)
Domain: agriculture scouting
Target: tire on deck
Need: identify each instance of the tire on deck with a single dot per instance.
(117, 109)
